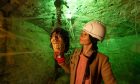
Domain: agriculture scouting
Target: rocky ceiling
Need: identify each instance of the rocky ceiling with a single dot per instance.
(122, 17)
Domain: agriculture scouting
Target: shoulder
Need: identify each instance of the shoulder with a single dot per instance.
(77, 50)
(102, 58)
(76, 53)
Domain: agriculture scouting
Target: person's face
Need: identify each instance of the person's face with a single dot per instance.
(84, 38)
(57, 42)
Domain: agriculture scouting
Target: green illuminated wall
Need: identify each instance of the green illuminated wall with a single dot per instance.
(25, 53)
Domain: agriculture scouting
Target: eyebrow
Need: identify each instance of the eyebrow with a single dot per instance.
(56, 34)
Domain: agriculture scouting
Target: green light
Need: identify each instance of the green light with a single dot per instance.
(69, 12)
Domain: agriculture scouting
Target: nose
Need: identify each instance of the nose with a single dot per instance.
(81, 36)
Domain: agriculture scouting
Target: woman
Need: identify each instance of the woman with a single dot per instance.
(87, 65)
(60, 43)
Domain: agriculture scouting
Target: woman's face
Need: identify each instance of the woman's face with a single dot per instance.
(84, 38)
(57, 42)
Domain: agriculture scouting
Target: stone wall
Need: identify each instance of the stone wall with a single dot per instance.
(25, 25)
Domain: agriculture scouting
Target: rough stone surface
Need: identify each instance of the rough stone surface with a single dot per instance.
(25, 53)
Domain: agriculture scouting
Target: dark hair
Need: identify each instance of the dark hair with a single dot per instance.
(94, 43)
(64, 35)
(94, 47)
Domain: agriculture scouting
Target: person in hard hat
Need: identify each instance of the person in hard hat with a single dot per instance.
(87, 65)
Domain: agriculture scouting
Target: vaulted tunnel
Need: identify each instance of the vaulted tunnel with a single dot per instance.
(25, 25)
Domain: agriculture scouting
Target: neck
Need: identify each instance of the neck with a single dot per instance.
(87, 47)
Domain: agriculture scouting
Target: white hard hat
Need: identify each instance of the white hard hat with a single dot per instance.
(96, 29)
